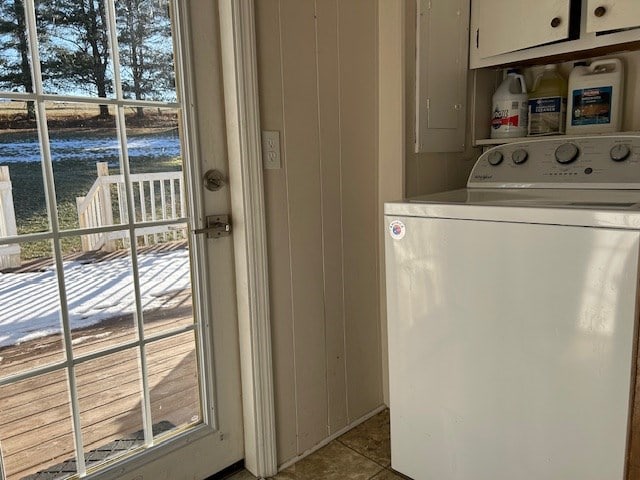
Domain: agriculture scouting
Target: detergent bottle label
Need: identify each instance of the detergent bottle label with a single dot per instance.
(591, 106)
(506, 114)
(547, 115)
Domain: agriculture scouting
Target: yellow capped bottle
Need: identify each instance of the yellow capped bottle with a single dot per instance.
(548, 103)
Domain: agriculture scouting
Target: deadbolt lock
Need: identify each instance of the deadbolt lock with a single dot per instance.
(214, 180)
(217, 226)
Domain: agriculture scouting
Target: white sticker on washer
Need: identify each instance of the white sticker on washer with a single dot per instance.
(397, 230)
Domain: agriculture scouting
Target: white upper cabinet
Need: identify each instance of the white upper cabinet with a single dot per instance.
(502, 26)
(505, 32)
(608, 15)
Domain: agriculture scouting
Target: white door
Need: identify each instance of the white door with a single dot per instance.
(118, 328)
(502, 26)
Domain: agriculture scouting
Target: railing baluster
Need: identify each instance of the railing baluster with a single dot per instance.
(172, 184)
(163, 203)
(152, 198)
(143, 208)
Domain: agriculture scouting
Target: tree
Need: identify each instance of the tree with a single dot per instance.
(146, 49)
(78, 53)
(15, 71)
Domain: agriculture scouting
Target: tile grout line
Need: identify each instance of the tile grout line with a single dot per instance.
(363, 455)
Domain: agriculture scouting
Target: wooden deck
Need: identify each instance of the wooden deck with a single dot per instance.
(35, 418)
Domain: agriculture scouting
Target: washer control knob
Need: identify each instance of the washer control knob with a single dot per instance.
(567, 153)
(620, 152)
(495, 158)
(519, 156)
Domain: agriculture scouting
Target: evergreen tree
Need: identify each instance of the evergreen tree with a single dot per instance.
(15, 71)
(77, 57)
(146, 50)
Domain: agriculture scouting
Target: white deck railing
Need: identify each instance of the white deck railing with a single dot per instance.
(9, 254)
(157, 196)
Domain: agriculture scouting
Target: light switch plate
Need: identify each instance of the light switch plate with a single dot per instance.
(271, 150)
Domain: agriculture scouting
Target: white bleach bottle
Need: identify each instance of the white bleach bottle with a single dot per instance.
(510, 107)
(595, 97)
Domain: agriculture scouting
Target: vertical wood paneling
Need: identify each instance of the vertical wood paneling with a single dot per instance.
(318, 80)
(329, 115)
(301, 146)
(277, 217)
(357, 26)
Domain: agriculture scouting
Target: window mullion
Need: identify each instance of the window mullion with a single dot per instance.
(147, 421)
(50, 195)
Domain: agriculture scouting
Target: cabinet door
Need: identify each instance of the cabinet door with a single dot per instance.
(503, 26)
(606, 15)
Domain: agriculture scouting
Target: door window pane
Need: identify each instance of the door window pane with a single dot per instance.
(155, 162)
(30, 324)
(173, 381)
(146, 49)
(15, 60)
(85, 154)
(110, 405)
(165, 284)
(100, 297)
(74, 48)
(35, 427)
(23, 206)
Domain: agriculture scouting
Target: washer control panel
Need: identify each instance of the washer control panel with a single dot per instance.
(601, 161)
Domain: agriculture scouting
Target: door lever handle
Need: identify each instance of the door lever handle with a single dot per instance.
(217, 226)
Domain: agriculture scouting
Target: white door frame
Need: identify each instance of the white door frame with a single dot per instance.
(240, 78)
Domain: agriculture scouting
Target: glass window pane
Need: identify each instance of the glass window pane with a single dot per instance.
(74, 48)
(155, 163)
(15, 59)
(23, 206)
(165, 284)
(100, 296)
(35, 427)
(30, 326)
(146, 49)
(173, 381)
(86, 166)
(110, 405)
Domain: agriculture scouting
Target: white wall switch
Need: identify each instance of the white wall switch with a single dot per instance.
(271, 150)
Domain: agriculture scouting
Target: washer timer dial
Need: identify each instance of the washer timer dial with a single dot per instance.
(519, 156)
(495, 158)
(567, 153)
(620, 152)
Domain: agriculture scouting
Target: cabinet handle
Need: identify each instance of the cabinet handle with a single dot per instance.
(600, 11)
(556, 22)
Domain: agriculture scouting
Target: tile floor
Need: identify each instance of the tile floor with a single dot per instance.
(362, 453)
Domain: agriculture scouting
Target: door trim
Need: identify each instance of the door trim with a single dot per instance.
(240, 79)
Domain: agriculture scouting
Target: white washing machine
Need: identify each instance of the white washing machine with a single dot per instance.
(512, 308)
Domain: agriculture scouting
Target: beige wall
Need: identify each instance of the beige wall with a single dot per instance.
(337, 80)
(318, 87)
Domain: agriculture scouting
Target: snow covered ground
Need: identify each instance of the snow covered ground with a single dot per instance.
(30, 305)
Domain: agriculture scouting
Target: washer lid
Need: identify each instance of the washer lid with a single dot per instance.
(580, 207)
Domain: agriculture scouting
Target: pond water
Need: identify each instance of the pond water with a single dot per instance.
(88, 146)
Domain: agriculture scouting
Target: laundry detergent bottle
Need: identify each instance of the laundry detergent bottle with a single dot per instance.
(548, 103)
(510, 107)
(595, 97)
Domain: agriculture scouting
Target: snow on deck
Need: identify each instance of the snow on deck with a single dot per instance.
(30, 303)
